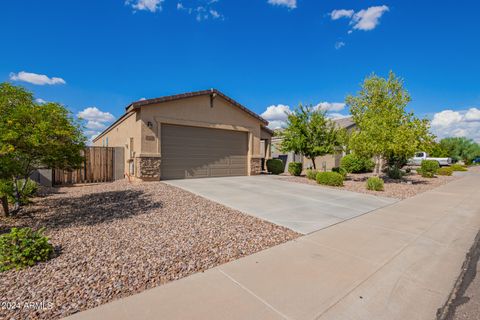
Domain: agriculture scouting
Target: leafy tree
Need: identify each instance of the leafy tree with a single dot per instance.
(438, 150)
(459, 148)
(344, 137)
(309, 133)
(386, 131)
(33, 136)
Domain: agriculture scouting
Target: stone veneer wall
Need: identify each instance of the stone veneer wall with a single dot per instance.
(148, 168)
(255, 166)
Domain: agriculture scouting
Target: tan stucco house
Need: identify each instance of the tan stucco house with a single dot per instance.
(190, 135)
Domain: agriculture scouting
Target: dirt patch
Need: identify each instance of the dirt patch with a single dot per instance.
(117, 239)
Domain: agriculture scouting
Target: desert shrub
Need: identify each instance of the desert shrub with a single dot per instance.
(375, 183)
(275, 166)
(295, 168)
(7, 188)
(445, 171)
(23, 248)
(458, 167)
(353, 163)
(311, 174)
(340, 170)
(429, 168)
(330, 179)
(394, 172)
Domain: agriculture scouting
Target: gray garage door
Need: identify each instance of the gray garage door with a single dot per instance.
(192, 152)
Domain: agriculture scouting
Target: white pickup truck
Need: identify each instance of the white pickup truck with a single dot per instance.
(420, 156)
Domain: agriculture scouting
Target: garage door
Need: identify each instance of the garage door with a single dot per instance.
(192, 152)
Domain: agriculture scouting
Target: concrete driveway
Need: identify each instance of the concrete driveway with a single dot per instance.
(301, 207)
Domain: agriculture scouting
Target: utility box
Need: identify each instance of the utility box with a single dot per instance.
(119, 163)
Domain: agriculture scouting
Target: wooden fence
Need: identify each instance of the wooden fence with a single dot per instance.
(98, 166)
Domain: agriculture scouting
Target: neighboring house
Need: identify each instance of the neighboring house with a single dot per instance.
(326, 162)
(190, 135)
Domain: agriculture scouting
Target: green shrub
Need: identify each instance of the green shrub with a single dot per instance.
(23, 248)
(429, 168)
(458, 167)
(330, 179)
(394, 172)
(275, 166)
(340, 170)
(353, 163)
(7, 188)
(375, 183)
(445, 171)
(311, 174)
(295, 168)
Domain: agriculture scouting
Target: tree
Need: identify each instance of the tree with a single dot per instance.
(33, 136)
(386, 131)
(459, 148)
(309, 133)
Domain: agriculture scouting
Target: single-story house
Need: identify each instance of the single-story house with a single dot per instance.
(190, 135)
(326, 162)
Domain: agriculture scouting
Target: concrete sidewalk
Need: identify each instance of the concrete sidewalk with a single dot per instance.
(398, 262)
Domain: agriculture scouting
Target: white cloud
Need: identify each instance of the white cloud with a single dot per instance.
(94, 114)
(339, 44)
(342, 13)
(97, 121)
(34, 78)
(95, 125)
(330, 106)
(446, 118)
(142, 99)
(463, 123)
(147, 5)
(276, 112)
(276, 115)
(368, 19)
(336, 115)
(291, 4)
(40, 101)
(202, 12)
(215, 14)
(473, 114)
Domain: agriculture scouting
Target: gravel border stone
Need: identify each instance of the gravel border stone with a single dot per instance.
(117, 239)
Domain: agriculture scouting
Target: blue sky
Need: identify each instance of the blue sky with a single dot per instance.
(102, 55)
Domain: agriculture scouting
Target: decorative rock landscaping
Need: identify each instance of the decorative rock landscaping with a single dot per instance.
(114, 240)
(407, 187)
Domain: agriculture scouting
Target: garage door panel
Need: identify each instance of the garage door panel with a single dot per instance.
(192, 152)
(199, 151)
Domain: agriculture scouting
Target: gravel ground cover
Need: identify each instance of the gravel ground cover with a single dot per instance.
(406, 187)
(117, 239)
